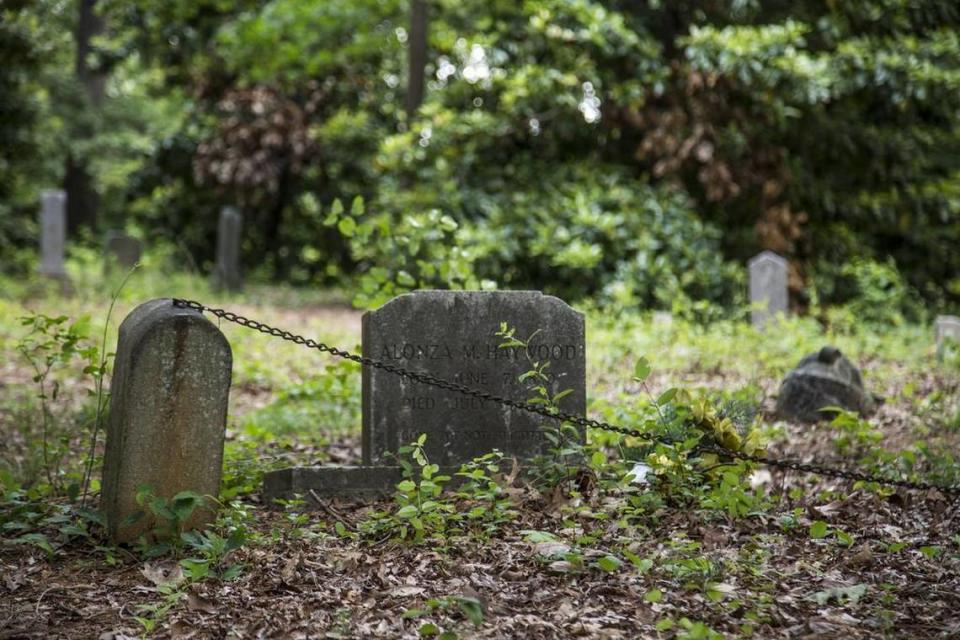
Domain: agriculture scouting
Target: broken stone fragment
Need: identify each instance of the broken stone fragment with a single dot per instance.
(823, 379)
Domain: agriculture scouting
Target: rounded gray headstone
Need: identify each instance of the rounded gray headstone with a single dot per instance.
(168, 411)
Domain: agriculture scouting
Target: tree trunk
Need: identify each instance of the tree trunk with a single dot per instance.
(82, 197)
(418, 56)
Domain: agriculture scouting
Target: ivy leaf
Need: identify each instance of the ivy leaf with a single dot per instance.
(347, 226)
(405, 279)
(38, 540)
(407, 512)
(356, 208)
(609, 563)
(641, 370)
(818, 530)
(667, 396)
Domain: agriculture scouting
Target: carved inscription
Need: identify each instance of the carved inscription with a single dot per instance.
(408, 351)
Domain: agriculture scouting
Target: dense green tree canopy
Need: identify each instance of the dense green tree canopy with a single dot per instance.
(639, 151)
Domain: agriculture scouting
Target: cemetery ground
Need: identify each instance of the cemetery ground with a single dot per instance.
(738, 553)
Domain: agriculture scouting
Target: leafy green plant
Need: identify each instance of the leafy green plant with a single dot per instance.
(948, 353)
(469, 607)
(477, 507)
(482, 501)
(417, 250)
(30, 520)
(418, 512)
(565, 440)
(52, 342)
(855, 434)
(864, 291)
(170, 515)
(213, 551)
(151, 614)
(675, 468)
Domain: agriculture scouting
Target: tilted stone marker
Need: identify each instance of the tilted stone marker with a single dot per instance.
(947, 328)
(53, 232)
(823, 379)
(768, 288)
(168, 410)
(226, 273)
(451, 335)
(122, 249)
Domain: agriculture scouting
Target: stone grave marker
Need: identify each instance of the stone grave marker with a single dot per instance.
(53, 232)
(168, 410)
(226, 274)
(823, 379)
(947, 327)
(768, 288)
(122, 249)
(451, 335)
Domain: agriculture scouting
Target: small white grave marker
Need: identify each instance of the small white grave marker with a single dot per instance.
(768, 288)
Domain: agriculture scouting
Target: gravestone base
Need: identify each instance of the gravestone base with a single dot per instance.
(331, 481)
(347, 482)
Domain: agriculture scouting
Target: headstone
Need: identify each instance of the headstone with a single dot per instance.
(451, 335)
(947, 328)
(227, 270)
(823, 379)
(123, 249)
(53, 232)
(168, 410)
(768, 288)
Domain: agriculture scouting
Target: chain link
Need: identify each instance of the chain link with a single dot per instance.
(555, 414)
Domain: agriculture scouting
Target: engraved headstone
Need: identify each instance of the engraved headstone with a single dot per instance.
(768, 287)
(53, 232)
(451, 335)
(947, 328)
(168, 410)
(226, 273)
(123, 249)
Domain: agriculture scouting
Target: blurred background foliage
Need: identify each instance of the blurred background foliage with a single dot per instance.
(636, 152)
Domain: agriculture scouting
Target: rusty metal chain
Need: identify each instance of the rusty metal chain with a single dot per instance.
(555, 414)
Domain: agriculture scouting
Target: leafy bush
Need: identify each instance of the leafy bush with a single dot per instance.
(864, 291)
(587, 232)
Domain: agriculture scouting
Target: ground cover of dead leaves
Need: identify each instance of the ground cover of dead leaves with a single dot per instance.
(782, 584)
(900, 577)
